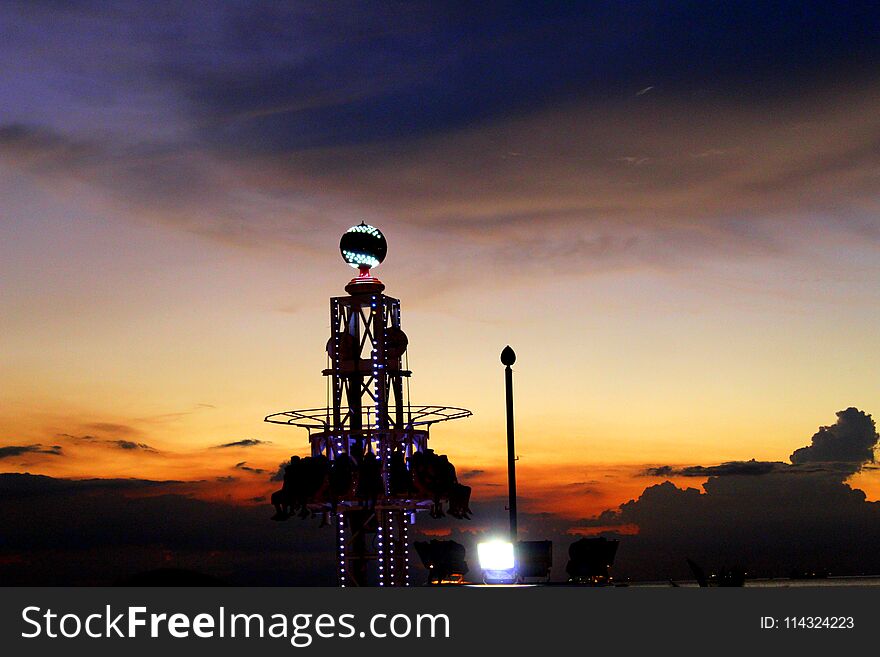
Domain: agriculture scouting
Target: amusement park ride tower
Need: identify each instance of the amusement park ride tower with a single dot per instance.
(369, 445)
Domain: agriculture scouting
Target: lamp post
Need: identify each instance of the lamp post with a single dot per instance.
(508, 358)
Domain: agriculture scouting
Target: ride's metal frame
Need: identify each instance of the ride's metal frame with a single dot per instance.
(369, 412)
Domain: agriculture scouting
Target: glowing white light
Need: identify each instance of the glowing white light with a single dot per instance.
(364, 228)
(496, 555)
(357, 259)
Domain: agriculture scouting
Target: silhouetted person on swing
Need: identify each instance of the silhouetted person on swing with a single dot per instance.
(419, 465)
(459, 501)
(316, 475)
(431, 478)
(369, 480)
(283, 499)
(401, 478)
(341, 475)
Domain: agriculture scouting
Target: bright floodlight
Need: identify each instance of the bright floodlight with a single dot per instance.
(496, 555)
(497, 562)
(363, 246)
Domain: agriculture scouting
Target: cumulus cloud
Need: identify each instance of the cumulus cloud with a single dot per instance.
(768, 517)
(278, 475)
(844, 447)
(848, 444)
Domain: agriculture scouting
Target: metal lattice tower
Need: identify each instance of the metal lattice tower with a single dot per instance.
(369, 420)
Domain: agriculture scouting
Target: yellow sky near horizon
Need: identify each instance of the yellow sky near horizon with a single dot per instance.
(182, 345)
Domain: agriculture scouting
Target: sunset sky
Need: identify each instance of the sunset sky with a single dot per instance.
(669, 210)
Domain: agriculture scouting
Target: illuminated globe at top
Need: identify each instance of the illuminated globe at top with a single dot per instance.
(363, 246)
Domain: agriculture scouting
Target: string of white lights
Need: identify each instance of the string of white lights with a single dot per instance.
(340, 551)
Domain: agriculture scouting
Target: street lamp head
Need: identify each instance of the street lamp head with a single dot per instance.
(508, 357)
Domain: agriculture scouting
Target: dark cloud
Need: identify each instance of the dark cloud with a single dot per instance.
(10, 451)
(770, 525)
(128, 445)
(847, 444)
(587, 488)
(70, 436)
(770, 518)
(469, 474)
(731, 468)
(112, 428)
(244, 466)
(247, 442)
(844, 447)
(278, 475)
(16, 485)
(87, 532)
